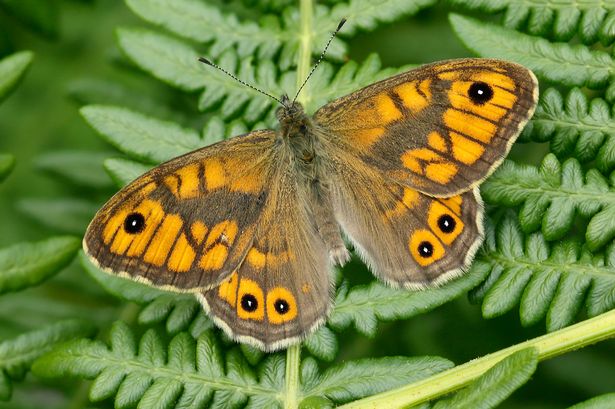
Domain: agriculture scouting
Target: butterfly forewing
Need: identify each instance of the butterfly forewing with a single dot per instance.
(188, 223)
(440, 129)
(282, 290)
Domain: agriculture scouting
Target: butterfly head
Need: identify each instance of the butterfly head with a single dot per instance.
(292, 117)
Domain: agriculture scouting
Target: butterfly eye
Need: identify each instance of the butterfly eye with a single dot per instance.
(249, 303)
(281, 306)
(480, 92)
(134, 223)
(446, 223)
(425, 249)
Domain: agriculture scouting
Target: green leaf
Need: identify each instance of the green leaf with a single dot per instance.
(27, 264)
(140, 136)
(576, 127)
(12, 70)
(17, 354)
(551, 196)
(599, 402)
(7, 163)
(205, 23)
(551, 281)
(322, 344)
(66, 215)
(365, 305)
(124, 288)
(124, 171)
(186, 373)
(82, 168)
(495, 385)
(571, 65)
(561, 20)
(364, 377)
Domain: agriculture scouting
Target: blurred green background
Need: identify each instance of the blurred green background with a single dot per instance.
(77, 62)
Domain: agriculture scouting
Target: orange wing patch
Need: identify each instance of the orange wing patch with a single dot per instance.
(251, 301)
(429, 163)
(281, 306)
(414, 95)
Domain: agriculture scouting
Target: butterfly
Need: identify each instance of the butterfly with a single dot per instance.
(254, 225)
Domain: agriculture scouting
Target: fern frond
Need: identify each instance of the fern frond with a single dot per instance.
(364, 377)
(124, 171)
(139, 136)
(81, 168)
(495, 385)
(599, 402)
(571, 65)
(184, 374)
(592, 20)
(551, 195)
(364, 306)
(549, 281)
(27, 264)
(576, 127)
(65, 215)
(205, 23)
(7, 163)
(17, 354)
(12, 70)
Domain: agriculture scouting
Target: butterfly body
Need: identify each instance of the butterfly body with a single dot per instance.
(253, 225)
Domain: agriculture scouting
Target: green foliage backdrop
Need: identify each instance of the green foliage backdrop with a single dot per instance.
(95, 93)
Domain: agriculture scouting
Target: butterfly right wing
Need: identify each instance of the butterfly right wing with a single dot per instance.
(186, 224)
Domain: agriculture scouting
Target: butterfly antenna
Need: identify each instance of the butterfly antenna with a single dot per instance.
(206, 61)
(322, 55)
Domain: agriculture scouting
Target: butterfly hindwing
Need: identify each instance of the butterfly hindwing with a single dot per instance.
(186, 224)
(407, 238)
(282, 290)
(440, 129)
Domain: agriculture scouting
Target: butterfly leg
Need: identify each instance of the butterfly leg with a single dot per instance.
(327, 226)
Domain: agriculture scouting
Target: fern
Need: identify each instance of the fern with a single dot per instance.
(576, 127)
(191, 373)
(552, 254)
(7, 162)
(570, 65)
(547, 280)
(591, 20)
(16, 355)
(12, 70)
(551, 196)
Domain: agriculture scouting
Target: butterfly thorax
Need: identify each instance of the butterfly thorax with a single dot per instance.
(297, 130)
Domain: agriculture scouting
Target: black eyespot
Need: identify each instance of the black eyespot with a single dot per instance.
(249, 303)
(281, 306)
(134, 223)
(425, 249)
(480, 92)
(446, 223)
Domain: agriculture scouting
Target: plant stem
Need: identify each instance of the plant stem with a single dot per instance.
(293, 353)
(306, 36)
(293, 360)
(565, 340)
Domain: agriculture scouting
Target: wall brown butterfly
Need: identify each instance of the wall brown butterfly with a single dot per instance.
(253, 225)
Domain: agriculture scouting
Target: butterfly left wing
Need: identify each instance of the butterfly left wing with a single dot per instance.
(440, 129)
(282, 291)
(186, 224)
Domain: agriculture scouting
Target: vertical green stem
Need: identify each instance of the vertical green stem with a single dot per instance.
(293, 353)
(293, 360)
(306, 37)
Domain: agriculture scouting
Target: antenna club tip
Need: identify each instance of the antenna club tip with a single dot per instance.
(205, 61)
(341, 24)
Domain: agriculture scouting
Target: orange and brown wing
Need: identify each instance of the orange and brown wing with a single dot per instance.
(186, 224)
(440, 129)
(282, 290)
